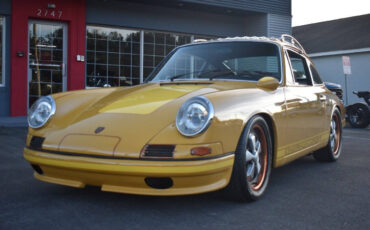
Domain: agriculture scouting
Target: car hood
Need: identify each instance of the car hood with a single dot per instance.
(121, 121)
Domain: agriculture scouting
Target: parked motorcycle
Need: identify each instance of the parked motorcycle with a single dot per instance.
(358, 114)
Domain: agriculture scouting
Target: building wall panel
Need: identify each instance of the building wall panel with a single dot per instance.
(331, 69)
(128, 14)
(264, 6)
(5, 7)
(278, 25)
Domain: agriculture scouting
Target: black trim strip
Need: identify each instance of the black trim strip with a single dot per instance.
(128, 158)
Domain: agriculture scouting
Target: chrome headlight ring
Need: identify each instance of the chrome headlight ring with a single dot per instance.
(194, 116)
(41, 112)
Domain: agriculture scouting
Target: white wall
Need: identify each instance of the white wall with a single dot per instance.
(331, 70)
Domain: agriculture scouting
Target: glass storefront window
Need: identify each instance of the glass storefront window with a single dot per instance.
(112, 57)
(113, 54)
(157, 45)
(2, 40)
(46, 59)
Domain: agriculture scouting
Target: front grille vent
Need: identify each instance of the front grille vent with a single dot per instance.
(36, 142)
(158, 151)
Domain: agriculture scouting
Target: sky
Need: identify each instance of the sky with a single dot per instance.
(312, 11)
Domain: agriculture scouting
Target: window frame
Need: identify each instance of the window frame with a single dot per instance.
(3, 24)
(291, 68)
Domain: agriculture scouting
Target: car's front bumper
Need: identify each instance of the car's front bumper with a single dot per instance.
(128, 175)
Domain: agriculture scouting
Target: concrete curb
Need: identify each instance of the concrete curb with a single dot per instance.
(13, 122)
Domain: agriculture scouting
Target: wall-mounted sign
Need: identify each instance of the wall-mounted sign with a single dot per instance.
(346, 65)
(49, 13)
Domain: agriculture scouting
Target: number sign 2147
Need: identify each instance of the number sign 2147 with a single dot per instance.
(52, 13)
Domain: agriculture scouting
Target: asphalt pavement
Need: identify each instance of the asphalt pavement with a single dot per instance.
(302, 195)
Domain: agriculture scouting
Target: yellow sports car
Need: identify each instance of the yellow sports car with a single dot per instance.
(212, 115)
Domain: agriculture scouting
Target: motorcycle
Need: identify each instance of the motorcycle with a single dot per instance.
(358, 114)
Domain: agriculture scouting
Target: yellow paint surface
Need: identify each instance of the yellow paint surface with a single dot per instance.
(147, 101)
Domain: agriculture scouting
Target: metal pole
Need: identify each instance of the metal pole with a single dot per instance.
(345, 84)
(141, 56)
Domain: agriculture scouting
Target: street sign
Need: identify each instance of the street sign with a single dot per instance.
(346, 65)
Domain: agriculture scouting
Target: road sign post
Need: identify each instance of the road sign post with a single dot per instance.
(347, 71)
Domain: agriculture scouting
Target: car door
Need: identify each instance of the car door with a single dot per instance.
(303, 107)
(321, 92)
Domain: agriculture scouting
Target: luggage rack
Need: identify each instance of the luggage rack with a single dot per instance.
(292, 41)
(285, 38)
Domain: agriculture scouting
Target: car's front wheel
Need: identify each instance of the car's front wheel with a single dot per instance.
(253, 161)
(332, 150)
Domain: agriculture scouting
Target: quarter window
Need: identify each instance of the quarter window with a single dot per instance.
(315, 75)
(300, 69)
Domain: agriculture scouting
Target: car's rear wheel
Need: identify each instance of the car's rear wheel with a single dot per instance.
(252, 165)
(332, 150)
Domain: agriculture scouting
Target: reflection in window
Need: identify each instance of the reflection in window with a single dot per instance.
(300, 70)
(1, 50)
(157, 45)
(112, 56)
(45, 60)
(249, 61)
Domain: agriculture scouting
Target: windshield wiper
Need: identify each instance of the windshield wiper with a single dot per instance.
(199, 76)
(183, 74)
(253, 73)
(218, 74)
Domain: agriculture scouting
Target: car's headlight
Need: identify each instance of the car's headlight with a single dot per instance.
(41, 111)
(194, 116)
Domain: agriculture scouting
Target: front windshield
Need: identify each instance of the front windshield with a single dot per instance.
(247, 61)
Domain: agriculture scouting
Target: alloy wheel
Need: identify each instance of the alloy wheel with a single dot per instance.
(256, 157)
(335, 134)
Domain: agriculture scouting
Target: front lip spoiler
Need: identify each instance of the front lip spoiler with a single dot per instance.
(129, 158)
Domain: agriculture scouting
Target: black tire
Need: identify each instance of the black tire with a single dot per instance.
(330, 152)
(242, 188)
(359, 116)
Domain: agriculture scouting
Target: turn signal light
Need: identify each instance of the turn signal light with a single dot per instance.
(201, 151)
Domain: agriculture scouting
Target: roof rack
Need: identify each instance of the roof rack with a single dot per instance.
(292, 41)
(199, 40)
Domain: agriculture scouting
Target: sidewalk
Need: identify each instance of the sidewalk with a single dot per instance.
(13, 121)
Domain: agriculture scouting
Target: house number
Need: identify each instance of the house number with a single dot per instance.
(52, 13)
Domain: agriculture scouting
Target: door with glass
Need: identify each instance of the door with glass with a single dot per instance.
(47, 59)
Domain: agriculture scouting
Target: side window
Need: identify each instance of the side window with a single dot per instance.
(315, 75)
(300, 69)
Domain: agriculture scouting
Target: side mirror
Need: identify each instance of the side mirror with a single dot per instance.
(269, 83)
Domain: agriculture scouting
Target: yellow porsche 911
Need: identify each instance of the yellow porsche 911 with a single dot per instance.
(213, 114)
